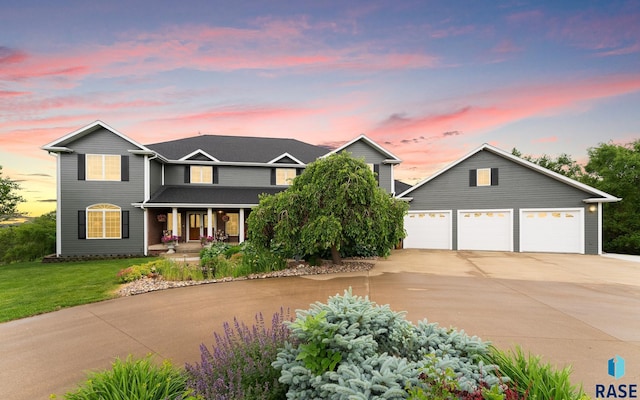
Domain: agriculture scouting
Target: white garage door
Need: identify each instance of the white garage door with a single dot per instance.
(485, 230)
(428, 230)
(552, 230)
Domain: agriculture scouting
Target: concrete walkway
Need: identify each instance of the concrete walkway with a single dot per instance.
(571, 309)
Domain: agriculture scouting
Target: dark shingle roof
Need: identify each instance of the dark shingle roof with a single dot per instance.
(221, 195)
(401, 186)
(239, 148)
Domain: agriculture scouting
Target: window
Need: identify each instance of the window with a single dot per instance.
(103, 167)
(284, 176)
(201, 174)
(232, 226)
(103, 222)
(170, 224)
(484, 177)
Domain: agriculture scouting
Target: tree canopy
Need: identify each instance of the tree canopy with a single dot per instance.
(334, 206)
(9, 198)
(615, 169)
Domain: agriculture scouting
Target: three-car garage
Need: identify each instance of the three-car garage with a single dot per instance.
(536, 230)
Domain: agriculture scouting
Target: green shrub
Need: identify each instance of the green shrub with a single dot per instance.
(381, 354)
(134, 272)
(259, 260)
(28, 241)
(175, 271)
(529, 375)
(134, 380)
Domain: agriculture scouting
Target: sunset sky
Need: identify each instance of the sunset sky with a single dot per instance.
(428, 80)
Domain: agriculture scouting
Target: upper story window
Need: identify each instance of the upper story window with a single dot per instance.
(285, 176)
(104, 222)
(483, 177)
(201, 174)
(103, 167)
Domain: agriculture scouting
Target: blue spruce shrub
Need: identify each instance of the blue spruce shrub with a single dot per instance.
(352, 348)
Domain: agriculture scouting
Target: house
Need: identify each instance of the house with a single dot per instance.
(492, 200)
(116, 196)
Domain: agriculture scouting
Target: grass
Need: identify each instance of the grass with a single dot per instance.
(31, 288)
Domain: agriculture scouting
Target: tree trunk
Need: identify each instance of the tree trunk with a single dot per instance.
(335, 255)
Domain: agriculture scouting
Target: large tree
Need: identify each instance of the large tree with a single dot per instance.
(615, 169)
(9, 198)
(334, 205)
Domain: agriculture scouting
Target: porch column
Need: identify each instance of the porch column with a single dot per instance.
(174, 216)
(209, 222)
(241, 226)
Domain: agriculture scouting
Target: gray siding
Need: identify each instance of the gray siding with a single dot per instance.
(518, 187)
(371, 155)
(155, 176)
(244, 176)
(78, 195)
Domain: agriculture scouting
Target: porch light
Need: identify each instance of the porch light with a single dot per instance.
(592, 208)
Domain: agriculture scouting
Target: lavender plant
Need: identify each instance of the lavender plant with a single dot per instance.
(239, 364)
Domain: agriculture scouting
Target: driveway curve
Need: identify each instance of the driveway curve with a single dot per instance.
(571, 309)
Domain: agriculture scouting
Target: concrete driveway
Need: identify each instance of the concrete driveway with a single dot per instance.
(571, 309)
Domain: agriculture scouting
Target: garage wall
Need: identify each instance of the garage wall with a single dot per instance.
(518, 187)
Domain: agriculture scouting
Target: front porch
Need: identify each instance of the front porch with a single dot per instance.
(188, 249)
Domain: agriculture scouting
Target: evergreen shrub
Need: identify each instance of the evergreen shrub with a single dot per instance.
(380, 354)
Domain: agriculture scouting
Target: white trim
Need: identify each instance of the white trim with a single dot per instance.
(54, 146)
(145, 230)
(193, 205)
(606, 197)
(581, 219)
(232, 163)
(58, 207)
(199, 151)
(275, 160)
(241, 226)
(393, 183)
(599, 228)
(450, 212)
(505, 210)
(146, 183)
(392, 157)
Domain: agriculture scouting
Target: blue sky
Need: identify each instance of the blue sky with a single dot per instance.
(429, 80)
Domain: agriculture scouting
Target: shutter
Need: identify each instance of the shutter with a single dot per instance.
(299, 171)
(82, 224)
(376, 171)
(494, 176)
(473, 177)
(125, 224)
(81, 167)
(216, 179)
(273, 176)
(124, 168)
(187, 174)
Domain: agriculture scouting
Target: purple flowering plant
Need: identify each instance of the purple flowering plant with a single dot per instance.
(170, 238)
(239, 364)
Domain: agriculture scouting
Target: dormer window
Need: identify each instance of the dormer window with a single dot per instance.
(201, 174)
(284, 176)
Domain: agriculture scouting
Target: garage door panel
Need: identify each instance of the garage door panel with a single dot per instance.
(552, 230)
(428, 230)
(485, 230)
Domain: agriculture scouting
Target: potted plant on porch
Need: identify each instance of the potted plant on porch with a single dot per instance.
(171, 241)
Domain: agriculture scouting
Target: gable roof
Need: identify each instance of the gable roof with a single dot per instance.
(391, 158)
(601, 197)
(238, 148)
(59, 145)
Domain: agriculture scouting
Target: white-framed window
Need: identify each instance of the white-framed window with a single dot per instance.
(232, 226)
(201, 174)
(104, 222)
(103, 167)
(285, 176)
(484, 177)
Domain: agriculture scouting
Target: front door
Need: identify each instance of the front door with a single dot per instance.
(197, 225)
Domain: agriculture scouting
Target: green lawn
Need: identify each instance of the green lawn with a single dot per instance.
(31, 288)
